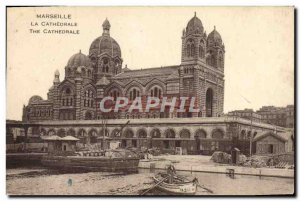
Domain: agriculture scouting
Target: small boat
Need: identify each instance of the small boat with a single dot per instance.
(178, 186)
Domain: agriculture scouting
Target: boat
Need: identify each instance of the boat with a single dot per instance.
(118, 160)
(178, 186)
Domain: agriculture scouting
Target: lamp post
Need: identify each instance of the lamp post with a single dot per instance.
(251, 134)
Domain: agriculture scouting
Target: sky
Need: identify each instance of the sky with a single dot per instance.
(259, 45)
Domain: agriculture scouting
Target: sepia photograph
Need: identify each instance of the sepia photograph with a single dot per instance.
(150, 101)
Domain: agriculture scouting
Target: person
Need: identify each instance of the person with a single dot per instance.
(171, 173)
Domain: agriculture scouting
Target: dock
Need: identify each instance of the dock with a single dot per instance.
(202, 164)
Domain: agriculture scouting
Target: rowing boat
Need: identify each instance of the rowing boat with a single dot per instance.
(178, 186)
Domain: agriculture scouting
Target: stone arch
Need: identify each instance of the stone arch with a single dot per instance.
(155, 83)
(142, 133)
(217, 134)
(115, 133)
(243, 135)
(185, 133)
(170, 133)
(128, 133)
(51, 132)
(106, 133)
(93, 132)
(93, 135)
(82, 133)
(200, 133)
(66, 85)
(112, 87)
(133, 84)
(248, 134)
(254, 134)
(89, 88)
(71, 132)
(61, 132)
(155, 133)
(43, 132)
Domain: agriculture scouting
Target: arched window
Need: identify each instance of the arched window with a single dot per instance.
(142, 133)
(201, 49)
(220, 60)
(217, 134)
(134, 92)
(213, 60)
(128, 133)
(209, 58)
(105, 60)
(185, 133)
(93, 59)
(105, 64)
(114, 93)
(88, 98)
(156, 92)
(67, 96)
(117, 62)
(83, 72)
(155, 133)
(192, 50)
(200, 133)
(170, 133)
(243, 135)
(188, 50)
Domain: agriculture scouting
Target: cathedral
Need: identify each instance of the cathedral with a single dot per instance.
(101, 73)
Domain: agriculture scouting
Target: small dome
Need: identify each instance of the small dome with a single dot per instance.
(79, 59)
(105, 43)
(194, 26)
(35, 99)
(214, 38)
(103, 81)
(126, 69)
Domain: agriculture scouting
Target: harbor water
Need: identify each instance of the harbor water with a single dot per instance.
(42, 181)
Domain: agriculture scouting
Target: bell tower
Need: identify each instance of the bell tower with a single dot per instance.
(193, 42)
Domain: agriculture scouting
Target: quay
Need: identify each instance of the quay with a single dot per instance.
(196, 163)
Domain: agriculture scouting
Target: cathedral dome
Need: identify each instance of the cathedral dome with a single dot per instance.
(214, 38)
(105, 43)
(79, 59)
(194, 26)
(35, 99)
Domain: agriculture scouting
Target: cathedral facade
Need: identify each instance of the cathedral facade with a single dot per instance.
(90, 78)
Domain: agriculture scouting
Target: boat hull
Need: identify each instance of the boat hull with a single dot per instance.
(186, 188)
(80, 163)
